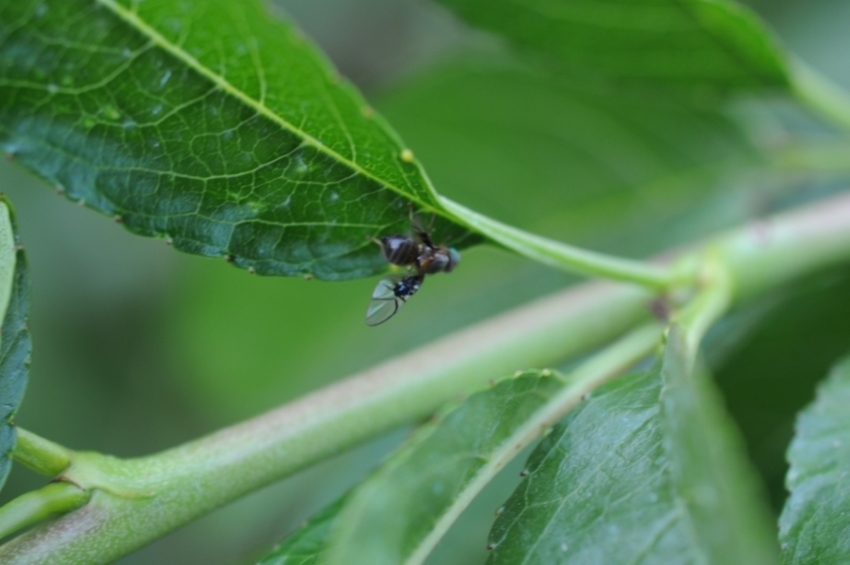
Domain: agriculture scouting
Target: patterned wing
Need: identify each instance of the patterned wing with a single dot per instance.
(389, 296)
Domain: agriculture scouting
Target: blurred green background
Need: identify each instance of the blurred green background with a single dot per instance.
(138, 348)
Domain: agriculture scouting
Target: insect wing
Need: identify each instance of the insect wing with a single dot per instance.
(390, 295)
(421, 233)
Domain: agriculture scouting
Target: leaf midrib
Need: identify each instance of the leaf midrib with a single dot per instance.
(134, 21)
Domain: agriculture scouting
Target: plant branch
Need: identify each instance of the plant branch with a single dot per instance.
(566, 257)
(820, 94)
(599, 368)
(136, 501)
(157, 494)
(33, 507)
(773, 251)
(40, 455)
(713, 298)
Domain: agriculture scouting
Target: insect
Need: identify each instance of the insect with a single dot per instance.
(421, 256)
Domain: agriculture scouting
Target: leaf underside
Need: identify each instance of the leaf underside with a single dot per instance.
(815, 525)
(609, 485)
(15, 347)
(210, 124)
(699, 47)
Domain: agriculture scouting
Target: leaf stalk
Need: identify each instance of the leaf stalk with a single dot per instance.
(46, 502)
(567, 257)
(183, 483)
(40, 455)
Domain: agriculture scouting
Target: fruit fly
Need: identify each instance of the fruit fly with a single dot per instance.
(391, 294)
(421, 256)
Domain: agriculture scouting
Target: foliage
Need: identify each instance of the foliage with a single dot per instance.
(628, 128)
(15, 342)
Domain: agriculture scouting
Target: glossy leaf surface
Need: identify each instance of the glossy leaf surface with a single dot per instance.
(15, 344)
(815, 526)
(690, 45)
(641, 473)
(208, 123)
(718, 492)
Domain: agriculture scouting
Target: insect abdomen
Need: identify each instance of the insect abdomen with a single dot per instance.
(400, 249)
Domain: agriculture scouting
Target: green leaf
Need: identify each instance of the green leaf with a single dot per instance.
(15, 344)
(699, 46)
(211, 124)
(815, 526)
(587, 165)
(647, 471)
(425, 485)
(598, 476)
(307, 545)
(401, 511)
(556, 159)
(715, 486)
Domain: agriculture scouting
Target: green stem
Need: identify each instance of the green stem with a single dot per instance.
(590, 374)
(33, 507)
(713, 298)
(158, 494)
(40, 455)
(820, 94)
(563, 256)
(773, 251)
(162, 492)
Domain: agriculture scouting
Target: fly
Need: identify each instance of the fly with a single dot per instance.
(421, 256)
